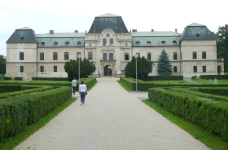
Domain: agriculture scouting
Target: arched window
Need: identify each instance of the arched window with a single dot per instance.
(55, 56)
(175, 56)
(197, 35)
(22, 39)
(204, 56)
(137, 42)
(41, 56)
(149, 56)
(107, 35)
(138, 54)
(148, 42)
(42, 44)
(194, 55)
(55, 43)
(67, 43)
(163, 42)
(126, 56)
(90, 56)
(21, 56)
(174, 42)
(111, 42)
(104, 42)
(66, 56)
(79, 43)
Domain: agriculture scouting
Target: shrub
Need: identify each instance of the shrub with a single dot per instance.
(193, 77)
(150, 78)
(1, 77)
(214, 76)
(7, 78)
(17, 78)
(50, 79)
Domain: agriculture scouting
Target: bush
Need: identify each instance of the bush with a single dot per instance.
(205, 112)
(18, 112)
(50, 79)
(9, 88)
(1, 77)
(193, 77)
(150, 78)
(17, 78)
(7, 78)
(213, 77)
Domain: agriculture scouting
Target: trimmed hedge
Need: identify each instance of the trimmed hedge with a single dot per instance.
(17, 78)
(193, 77)
(50, 79)
(214, 76)
(18, 112)
(150, 78)
(7, 78)
(6, 88)
(207, 113)
(215, 91)
(144, 86)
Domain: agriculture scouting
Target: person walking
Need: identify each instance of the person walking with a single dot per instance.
(74, 82)
(82, 92)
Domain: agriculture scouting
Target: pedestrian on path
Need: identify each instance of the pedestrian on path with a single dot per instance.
(82, 92)
(74, 82)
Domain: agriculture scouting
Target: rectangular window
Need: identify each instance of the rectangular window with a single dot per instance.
(174, 56)
(21, 55)
(55, 56)
(104, 56)
(41, 56)
(204, 69)
(90, 56)
(110, 56)
(126, 56)
(194, 68)
(149, 56)
(55, 68)
(175, 69)
(66, 56)
(41, 68)
(21, 68)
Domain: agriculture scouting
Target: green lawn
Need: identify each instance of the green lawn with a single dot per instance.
(204, 81)
(169, 81)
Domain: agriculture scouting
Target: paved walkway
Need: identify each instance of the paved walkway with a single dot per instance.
(111, 119)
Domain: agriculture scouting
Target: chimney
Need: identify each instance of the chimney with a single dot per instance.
(51, 31)
(134, 30)
(152, 30)
(75, 31)
(176, 30)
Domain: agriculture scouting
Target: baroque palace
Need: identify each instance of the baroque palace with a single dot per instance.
(111, 46)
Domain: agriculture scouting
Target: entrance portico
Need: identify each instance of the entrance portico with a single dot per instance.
(108, 67)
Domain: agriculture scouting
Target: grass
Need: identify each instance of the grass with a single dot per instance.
(10, 143)
(211, 140)
(169, 81)
(124, 86)
(204, 81)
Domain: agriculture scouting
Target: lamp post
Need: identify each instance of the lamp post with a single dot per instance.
(136, 56)
(79, 56)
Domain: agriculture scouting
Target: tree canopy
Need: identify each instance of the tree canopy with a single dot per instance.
(86, 68)
(164, 65)
(222, 44)
(2, 64)
(144, 67)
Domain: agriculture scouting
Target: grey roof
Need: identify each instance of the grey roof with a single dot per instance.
(22, 35)
(155, 41)
(108, 15)
(25, 28)
(71, 34)
(49, 42)
(155, 33)
(196, 31)
(106, 21)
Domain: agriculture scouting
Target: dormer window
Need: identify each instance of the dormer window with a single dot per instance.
(79, 43)
(174, 42)
(197, 35)
(148, 42)
(163, 42)
(55, 43)
(107, 35)
(137, 42)
(42, 44)
(67, 43)
(22, 39)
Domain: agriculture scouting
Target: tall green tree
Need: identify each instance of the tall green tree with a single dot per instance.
(222, 44)
(2, 64)
(144, 67)
(164, 65)
(86, 68)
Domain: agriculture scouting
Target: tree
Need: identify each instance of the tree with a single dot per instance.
(2, 64)
(143, 68)
(164, 64)
(86, 68)
(222, 44)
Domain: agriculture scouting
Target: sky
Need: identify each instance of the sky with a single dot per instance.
(143, 15)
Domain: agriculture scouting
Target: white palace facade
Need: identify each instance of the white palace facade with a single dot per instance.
(111, 46)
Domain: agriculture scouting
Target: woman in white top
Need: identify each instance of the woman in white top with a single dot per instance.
(82, 92)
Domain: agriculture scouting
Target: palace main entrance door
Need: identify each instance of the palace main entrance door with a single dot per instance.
(107, 70)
